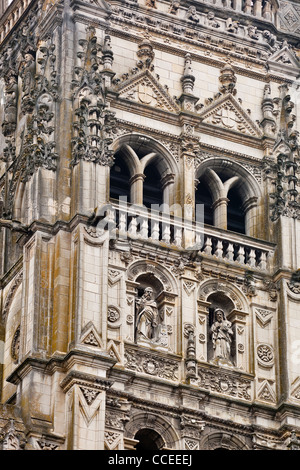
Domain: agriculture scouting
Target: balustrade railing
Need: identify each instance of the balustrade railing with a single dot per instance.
(265, 9)
(11, 15)
(167, 230)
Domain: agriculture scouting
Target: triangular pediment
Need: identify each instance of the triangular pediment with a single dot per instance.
(90, 336)
(284, 60)
(145, 89)
(226, 112)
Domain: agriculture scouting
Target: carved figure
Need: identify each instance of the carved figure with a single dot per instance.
(222, 333)
(27, 74)
(151, 3)
(10, 108)
(232, 26)
(146, 316)
(174, 7)
(192, 14)
(211, 21)
(252, 32)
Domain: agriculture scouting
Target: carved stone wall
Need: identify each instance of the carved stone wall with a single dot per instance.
(122, 323)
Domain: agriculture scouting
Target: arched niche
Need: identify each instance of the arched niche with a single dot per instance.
(148, 440)
(213, 295)
(161, 430)
(223, 441)
(142, 276)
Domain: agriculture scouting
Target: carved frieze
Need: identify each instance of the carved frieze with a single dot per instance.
(224, 382)
(151, 364)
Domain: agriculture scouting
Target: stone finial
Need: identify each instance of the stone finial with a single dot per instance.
(107, 53)
(145, 54)
(188, 78)
(227, 79)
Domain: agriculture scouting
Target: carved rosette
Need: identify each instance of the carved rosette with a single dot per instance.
(265, 355)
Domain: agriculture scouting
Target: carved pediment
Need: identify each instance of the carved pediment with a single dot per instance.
(284, 60)
(145, 89)
(226, 112)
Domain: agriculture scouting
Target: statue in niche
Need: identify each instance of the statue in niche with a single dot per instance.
(146, 316)
(222, 334)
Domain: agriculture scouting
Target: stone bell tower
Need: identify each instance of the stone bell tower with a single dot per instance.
(149, 225)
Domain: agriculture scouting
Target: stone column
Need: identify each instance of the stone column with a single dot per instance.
(220, 212)
(136, 191)
(251, 217)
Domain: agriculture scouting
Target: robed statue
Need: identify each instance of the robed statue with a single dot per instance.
(222, 334)
(146, 316)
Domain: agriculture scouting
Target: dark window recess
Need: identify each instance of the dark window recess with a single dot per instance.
(152, 191)
(203, 196)
(235, 214)
(148, 440)
(119, 179)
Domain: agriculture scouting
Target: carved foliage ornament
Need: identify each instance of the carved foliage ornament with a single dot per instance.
(93, 125)
(151, 364)
(225, 383)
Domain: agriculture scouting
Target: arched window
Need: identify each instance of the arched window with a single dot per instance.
(203, 196)
(235, 212)
(119, 179)
(144, 170)
(229, 194)
(149, 440)
(152, 188)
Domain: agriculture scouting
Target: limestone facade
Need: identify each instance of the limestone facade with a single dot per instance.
(150, 224)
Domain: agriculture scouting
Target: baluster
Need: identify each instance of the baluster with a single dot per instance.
(248, 7)
(241, 255)
(219, 249)
(144, 228)
(133, 226)
(208, 246)
(198, 240)
(166, 233)
(155, 230)
(122, 221)
(237, 5)
(230, 252)
(263, 261)
(111, 220)
(252, 258)
(257, 8)
(178, 236)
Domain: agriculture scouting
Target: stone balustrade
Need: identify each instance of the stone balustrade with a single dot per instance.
(164, 229)
(12, 14)
(264, 9)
